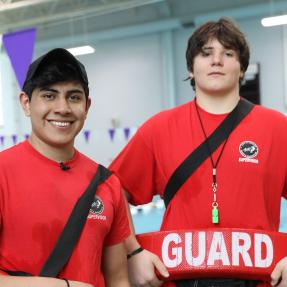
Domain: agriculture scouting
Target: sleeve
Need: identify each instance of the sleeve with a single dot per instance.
(285, 189)
(1, 208)
(120, 229)
(136, 168)
(1, 198)
(284, 194)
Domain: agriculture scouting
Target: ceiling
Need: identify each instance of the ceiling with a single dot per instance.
(62, 18)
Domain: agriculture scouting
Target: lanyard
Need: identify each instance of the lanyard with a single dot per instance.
(214, 205)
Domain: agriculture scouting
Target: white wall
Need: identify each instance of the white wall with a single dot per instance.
(12, 113)
(266, 45)
(126, 86)
(132, 78)
(267, 49)
(135, 77)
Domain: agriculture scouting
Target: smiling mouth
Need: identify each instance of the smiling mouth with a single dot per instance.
(61, 124)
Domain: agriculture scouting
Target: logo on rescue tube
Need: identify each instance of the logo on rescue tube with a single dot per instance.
(202, 248)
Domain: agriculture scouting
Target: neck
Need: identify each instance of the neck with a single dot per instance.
(55, 153)
(217, 104)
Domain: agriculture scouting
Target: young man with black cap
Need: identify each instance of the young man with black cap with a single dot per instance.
(239, 184)
(42, 178)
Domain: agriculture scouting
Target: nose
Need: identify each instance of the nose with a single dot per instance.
(217, 59)
(62, 106)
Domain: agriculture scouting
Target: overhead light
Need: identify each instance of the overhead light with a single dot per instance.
(274, 21)
(83, 50)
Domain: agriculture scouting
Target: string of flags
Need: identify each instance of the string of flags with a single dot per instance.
(19, 47)
(113, 134)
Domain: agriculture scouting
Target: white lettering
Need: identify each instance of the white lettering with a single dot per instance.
(189, 249)
(96, 216)
(175, 251)
(242, 248)
(259, 240)
(203, 248)
(243, 159)
(218, 250)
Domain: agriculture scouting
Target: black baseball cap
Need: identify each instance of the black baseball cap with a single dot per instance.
(56, 55)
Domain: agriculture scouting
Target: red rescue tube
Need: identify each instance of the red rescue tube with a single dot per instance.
(225, 253)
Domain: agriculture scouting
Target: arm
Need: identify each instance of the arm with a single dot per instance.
(114, 265)
(142, 266)
(279, 274)
(23, 281)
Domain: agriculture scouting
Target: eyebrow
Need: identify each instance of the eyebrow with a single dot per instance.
(47, 89)
(207, 48)
(211, 48)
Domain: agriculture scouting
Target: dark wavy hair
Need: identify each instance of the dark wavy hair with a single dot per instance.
(227, 33)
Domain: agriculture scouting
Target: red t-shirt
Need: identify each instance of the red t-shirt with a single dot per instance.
(251, 174)
(36, 199)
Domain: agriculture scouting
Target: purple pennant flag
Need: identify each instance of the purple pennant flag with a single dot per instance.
(26, 136)
(19, 47)
(2, 138)
(112, 134)
(14, 138)
(127, 133)
(87, 135)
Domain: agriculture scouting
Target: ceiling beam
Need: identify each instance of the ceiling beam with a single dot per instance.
(21, 4)
(67, 16)
(248, 11)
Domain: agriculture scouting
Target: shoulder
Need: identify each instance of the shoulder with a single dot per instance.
(268, 111)
(164, 118)
(269, 123)
(83, 159)
(111, 187)
(271, 116)
(11, 154)
(113, 184)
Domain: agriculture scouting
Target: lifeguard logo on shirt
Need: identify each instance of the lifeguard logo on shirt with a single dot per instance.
(249, 150)
(97, 209)
(97, 206)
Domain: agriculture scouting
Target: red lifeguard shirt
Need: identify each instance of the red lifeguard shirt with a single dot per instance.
(36, 199)
(251, 174)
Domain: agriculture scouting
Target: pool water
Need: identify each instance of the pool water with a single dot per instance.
(149, 219)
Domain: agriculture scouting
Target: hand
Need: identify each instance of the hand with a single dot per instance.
(279, 274)
(142, 268)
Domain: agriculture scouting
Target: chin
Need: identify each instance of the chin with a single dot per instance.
(218, 90)
(60, 143)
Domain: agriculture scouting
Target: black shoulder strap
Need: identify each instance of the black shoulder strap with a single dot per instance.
(73, 228)
(201, 153)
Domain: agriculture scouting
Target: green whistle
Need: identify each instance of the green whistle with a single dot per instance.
(215, 218)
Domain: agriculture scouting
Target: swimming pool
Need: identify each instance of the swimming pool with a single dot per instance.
(149, 219)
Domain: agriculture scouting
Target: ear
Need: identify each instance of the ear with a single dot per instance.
(191, 75)
(25, 103)
(88, 105)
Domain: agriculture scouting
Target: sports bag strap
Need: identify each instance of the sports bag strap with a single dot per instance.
(201, 153)
(74, 226)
